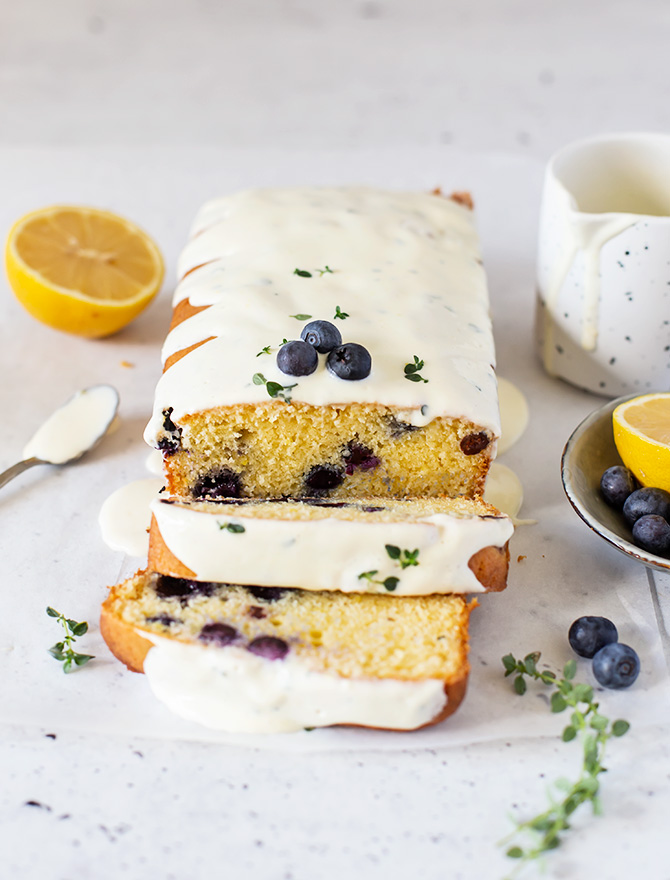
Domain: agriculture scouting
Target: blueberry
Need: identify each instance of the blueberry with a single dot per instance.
(646, 501)
(219, 634)
(163, 619)
(472, 444)
(167, 587)
(323, 335)
(616, 484)
(616, 666)
(267, 594)
(652, 532)
(322, 478)
(350, 361)
(222, 483)
(170, 442)
(297, 358)
(588, 635)
(358, 456)
(269, 647)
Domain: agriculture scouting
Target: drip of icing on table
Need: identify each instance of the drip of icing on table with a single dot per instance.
(75, 427)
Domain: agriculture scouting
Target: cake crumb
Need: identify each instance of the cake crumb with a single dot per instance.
(521, 558)
(127, 364)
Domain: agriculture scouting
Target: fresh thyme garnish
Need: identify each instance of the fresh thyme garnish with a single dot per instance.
(303, 273)
(389, 583)
(274, 389)
(325, 271)
(235, 528)
(340, 314)
(301, 317)
(404, 557)
(62, 651)
(544, 831)
(412, 371)
(264, 350)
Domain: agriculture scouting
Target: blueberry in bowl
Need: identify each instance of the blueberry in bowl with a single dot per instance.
(589, 453)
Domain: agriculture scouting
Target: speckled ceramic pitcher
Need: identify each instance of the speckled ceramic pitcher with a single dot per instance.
(603, 304)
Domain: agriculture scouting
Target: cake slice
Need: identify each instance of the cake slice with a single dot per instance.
(407, 547)
(398, 398)
(259, 660)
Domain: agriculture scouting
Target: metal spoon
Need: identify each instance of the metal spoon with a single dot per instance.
(70, 432)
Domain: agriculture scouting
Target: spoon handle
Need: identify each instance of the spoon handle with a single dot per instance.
(19, 468)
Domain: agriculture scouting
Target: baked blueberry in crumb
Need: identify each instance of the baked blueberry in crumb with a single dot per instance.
(164, 619)
(323, 478)
(223, 483)
(399, 429)
(358, 456)
(471, 444)
(267, 594)
(170, 443)
(218, 634)
(323, 335)
(167, 587)
(350, 361)
(256, 612)
(297, 358)
(269, 647)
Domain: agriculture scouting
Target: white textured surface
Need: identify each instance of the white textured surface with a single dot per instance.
(514, 77)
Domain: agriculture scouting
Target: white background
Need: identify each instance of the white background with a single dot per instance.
(149, 108)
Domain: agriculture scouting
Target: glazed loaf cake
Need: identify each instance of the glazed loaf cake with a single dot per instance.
(399, 275)
(406, 547)
(248, 659)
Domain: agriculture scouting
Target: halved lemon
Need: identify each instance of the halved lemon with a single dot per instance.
(82, 270)
(642, 436)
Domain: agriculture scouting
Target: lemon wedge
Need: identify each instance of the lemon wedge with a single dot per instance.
(642, 436)
(82, 270)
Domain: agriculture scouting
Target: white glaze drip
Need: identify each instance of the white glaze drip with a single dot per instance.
(329, 553)
(406, 269)
(233, 690)
(514, 414)
(125, 516)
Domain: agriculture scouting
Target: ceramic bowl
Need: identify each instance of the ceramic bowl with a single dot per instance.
(590, 451)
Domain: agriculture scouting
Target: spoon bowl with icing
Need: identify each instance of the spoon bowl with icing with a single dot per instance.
(70, 432)
(590, 451)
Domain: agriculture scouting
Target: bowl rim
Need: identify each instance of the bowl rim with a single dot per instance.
(621, 544)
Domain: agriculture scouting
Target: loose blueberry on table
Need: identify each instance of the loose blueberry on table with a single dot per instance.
(616, 666)
(588, 635)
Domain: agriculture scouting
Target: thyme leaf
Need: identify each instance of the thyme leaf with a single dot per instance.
(63, 651)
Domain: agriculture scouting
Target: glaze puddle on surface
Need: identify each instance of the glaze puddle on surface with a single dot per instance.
(125, 516)
(75, 427)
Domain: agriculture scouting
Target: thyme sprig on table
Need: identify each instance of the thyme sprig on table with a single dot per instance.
(543, 832)
(412, 370)
(62, 651)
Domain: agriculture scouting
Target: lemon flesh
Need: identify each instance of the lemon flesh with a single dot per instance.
(82, 270)
(642, 436)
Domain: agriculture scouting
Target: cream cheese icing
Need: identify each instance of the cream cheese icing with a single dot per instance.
(329, 553)
(405, 267)
(233, 690)
(75, 427)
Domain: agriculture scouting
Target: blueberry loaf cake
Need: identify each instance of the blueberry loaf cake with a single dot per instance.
(377, 545)
(328, 343)
(248, 659)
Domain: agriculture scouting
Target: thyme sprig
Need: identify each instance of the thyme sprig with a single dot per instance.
(412, 371)
(389, 583)
(405, 558)
(233, 528)
(544, 831)
(62, 651)
(340, 314)
(274, 389)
